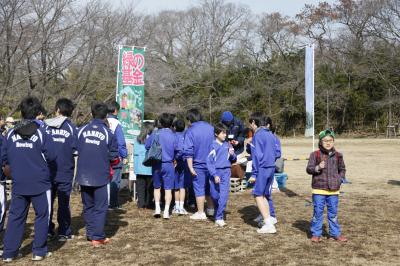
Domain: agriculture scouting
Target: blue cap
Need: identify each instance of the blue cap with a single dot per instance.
(226, 116)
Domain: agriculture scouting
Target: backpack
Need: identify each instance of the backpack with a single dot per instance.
(154, 154)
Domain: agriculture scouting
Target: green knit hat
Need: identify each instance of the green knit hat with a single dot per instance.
(327, 132)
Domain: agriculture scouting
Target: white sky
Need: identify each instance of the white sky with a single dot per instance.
(286, 7)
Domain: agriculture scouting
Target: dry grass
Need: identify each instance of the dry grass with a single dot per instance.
(368, 212)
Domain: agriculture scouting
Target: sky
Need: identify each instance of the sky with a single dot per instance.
(286, 7)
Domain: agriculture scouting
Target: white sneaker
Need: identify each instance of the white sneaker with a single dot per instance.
(273, 220)
(175, 210)
(166, 214)
(220, 223)
(198, 216)
(210, 212)
(268, 228)
(183, 212)
(157, 214)
(258, 219)
(39, 258)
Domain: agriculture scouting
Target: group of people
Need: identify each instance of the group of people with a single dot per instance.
(40, 158)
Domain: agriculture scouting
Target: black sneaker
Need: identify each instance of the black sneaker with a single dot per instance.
(39, 258)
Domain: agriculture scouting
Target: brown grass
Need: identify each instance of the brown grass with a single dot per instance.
(368, 212)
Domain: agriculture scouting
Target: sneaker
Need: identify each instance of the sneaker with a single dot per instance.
(339, 238)
(39, 258)
(198, 216)
(267, 228)
(175, 210)
(7, 260)
(98, 243)
(157, 214)
(220, 223)
(183, 212)
(260, 222)
(166, 214)
(64, 238)
(316, 239)
(273, 220)
(210, 212)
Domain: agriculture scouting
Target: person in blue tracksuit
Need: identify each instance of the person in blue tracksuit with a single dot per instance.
(164, 172)
(219, 162)
(96, 146)
(144, 184)
(63, 133)
(182, 173)
(263, 153)
(197, 145)
(116, 129)
(27, 150)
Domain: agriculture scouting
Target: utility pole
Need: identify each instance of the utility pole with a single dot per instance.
(327, 108)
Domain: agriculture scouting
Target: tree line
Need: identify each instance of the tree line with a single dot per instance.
(216, 56)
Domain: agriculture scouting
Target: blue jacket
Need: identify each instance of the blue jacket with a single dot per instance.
(64, 144)
(139, 152)
(236, 131)
(219, 157)
(263, 150)
(116, 129)
(28, 150)
(197, 144)
(167, 141)
(96, 146)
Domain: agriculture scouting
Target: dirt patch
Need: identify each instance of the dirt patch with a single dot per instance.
(368, 212)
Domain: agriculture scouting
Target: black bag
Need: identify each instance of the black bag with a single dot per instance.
(154, 154)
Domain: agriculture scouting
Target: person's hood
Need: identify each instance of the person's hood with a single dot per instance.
(26, 128)
(56, 122)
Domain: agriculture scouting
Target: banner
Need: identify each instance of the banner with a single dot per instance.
(309, 86)
(130, 89)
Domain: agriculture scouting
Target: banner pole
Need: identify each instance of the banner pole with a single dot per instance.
(118, 72)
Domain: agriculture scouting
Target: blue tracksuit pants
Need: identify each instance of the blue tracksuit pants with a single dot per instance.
(16, 223)
(319, 202)
(63, 192)
(95, 206)
(220, 192)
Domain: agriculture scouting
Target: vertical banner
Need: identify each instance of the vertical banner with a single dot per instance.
(130, 89)
(309, 87)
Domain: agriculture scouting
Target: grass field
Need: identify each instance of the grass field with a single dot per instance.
(369, 213)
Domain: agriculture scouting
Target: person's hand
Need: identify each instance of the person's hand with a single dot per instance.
(322, 165)
(231, 151)
(234, 142)
(192, 171)
(252, 180)
(125, 161)
(217, 179)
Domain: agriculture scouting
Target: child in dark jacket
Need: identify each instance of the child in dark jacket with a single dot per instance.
(326, 165)
(219, 162)
(27, 149)
(97, 147)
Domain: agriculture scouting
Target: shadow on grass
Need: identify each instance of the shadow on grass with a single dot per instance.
(248, 214)
(304, 226)
(394, 182)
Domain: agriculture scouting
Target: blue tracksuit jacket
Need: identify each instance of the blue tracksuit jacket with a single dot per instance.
(263, 150)
(116, 129)
(96, 146)
(197, 145)
(64, 144)
(219, 157)
(28, 150)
